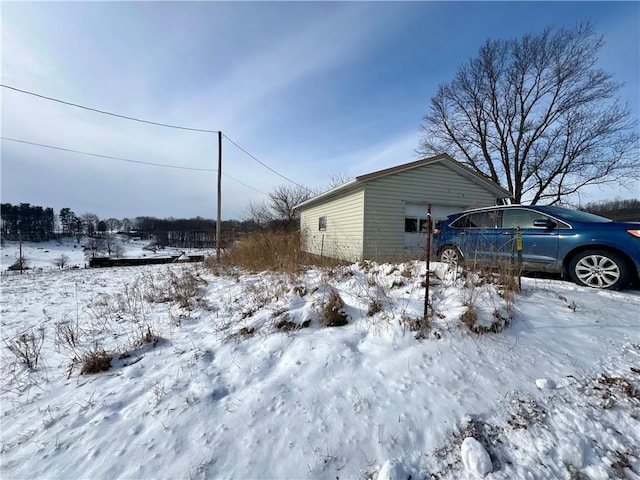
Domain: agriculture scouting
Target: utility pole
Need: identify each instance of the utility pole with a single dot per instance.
(219, 221)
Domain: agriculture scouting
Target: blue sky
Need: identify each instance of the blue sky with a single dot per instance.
(310, 89)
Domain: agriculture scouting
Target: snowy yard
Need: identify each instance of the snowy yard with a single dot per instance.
(233, 375)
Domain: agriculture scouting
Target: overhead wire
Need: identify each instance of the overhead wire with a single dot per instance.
(104, 112)
(265, 165)
(110, 157)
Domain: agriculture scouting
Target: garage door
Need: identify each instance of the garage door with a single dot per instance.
(415, 218)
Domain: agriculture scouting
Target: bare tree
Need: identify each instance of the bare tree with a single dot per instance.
(537, 116)
(94, 246)
(337, 179)
(127, 224)
(91, 221)
(113, 224)
(111, 244)
(118, 249)
(279, 209)
(62, 261)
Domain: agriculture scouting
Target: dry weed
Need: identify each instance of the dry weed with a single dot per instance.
(270, 251)
(27, 347)
(286, 325)
(333, 314)
(375, 306)
(95, 361)
(68, 334)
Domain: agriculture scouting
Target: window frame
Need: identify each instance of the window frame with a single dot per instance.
(414, 221)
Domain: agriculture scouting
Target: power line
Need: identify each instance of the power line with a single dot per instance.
(106, 112)
(265, 165)
(242, 183)
(109, 156)
(131, 161)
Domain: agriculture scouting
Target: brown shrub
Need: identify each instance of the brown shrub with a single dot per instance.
(96, 361)
(287, 325)
(374, 307)
(269, 250)
(333, 314)
(27, 347)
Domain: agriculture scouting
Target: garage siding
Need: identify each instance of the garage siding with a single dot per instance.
(343, 235)
(385, 200)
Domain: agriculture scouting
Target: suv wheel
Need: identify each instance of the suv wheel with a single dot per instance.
(599, 269)
(450, 255)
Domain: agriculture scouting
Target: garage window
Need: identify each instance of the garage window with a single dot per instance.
(322, 223)
(415, 225)
(410, 225)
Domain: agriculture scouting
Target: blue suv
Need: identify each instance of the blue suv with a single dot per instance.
(589, 249)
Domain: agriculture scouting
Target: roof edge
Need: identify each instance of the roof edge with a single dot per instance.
(443, 157)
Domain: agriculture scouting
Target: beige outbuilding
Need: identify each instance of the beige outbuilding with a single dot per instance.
(382, 215)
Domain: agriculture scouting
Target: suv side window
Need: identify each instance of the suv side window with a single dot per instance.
(486, 219)
(519, 217)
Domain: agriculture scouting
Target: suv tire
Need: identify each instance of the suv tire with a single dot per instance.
(599, 269)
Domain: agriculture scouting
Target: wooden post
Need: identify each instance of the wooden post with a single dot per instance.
(218, 220)
(20, 259)
(519, 248)
(426, 280)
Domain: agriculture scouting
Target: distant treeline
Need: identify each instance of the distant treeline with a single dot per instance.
(35, 223)
(27, 221)
(619, 210)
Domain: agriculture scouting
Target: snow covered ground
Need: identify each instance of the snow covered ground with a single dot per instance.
(44, 255)
(233, 375)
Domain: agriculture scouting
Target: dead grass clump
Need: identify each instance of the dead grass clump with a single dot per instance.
(95, 361)
(244, 332)
(407, 271)
(524, 412)
(575, 474)
(375, 306)
(287, 325)
(487, 434)
(479, 316)
(365, 265)
(273, 251)
(621, 385)
(333, 314)
(621, 464)
(470, 317)
(300, 290)
(146, 337)
(420, 325)
(183, 286)
(27, 347)
(68, 334)
(508, 279)
(500, 320)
